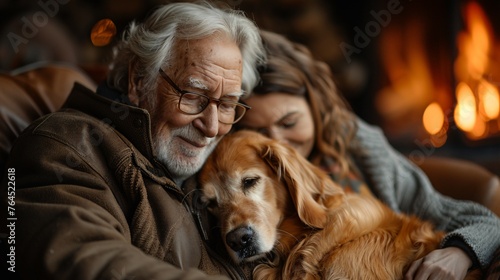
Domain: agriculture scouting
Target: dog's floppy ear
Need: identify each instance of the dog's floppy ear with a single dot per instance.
(311, 189)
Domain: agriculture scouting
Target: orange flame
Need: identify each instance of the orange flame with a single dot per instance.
(465, 111)
(474, 44)
(478, 101)
(489, 100)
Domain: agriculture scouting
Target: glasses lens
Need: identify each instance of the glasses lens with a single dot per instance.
(230, 113)
(191, 103)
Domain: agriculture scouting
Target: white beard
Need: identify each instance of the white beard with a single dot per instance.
(182, 159)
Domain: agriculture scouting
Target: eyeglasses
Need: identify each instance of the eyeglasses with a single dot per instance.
(191, 103)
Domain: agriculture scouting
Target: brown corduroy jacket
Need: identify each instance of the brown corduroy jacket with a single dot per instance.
(92, 202)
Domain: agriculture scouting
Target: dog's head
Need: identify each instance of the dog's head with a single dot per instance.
(252, 183)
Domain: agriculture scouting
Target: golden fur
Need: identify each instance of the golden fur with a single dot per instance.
(268, 198)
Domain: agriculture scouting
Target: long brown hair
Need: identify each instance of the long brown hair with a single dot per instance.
(292, 69)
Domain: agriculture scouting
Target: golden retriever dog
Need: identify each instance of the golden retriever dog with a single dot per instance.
(280, 211)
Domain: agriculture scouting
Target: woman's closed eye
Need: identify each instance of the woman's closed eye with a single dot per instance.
(289, 121)
(285, 123)
(288, 124)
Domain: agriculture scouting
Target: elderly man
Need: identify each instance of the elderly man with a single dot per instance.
(99, 184)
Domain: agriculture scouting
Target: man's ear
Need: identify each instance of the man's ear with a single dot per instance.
(134, 85)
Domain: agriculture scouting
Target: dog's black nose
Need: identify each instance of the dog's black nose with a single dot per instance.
(240, 238)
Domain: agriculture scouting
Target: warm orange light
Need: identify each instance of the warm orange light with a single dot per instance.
(103, 32)
(474, 44)
(411, 84)
(476, 106)
(489, 100)
(465, 111)
(479, 129)
(433, 118)
(480, 39)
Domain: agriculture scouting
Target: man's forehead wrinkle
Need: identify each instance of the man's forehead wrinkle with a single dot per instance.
(198, 84)
(209, 68)
(203, 83)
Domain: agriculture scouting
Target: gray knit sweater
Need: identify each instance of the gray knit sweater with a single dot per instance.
(405, 188)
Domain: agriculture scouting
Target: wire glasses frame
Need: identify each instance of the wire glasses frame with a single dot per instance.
(191, 103)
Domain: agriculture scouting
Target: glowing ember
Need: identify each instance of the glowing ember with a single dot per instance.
(489, 100)
(433, 118)
(465, 111)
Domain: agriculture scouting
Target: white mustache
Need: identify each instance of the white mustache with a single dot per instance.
(192, 134)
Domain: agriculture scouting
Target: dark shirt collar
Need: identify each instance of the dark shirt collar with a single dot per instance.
(113, 94)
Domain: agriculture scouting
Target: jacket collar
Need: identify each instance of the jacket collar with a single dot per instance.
(113, 94)
(133, 122)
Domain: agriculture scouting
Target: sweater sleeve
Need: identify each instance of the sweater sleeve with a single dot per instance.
(405, 188)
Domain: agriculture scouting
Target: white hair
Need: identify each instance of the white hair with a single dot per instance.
(149, 45)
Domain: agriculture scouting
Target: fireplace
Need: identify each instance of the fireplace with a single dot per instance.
(476, 69)
(440, 81)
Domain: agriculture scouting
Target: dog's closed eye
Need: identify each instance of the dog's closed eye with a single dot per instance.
(209, 203)
(212, 203)
(249, 182)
